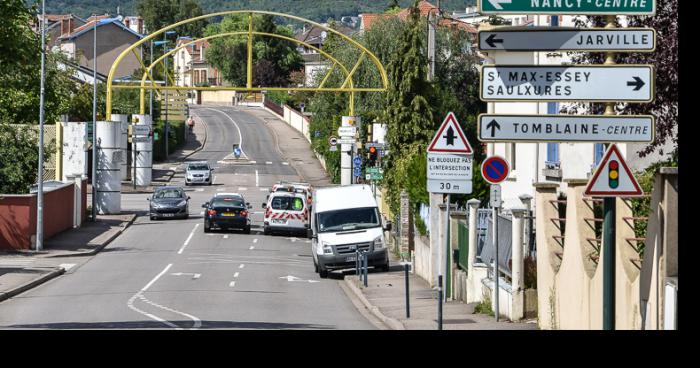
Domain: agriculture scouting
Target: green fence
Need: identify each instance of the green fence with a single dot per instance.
(463, 243)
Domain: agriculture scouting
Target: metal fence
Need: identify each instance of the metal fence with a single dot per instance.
(505, 241)
(483, 217)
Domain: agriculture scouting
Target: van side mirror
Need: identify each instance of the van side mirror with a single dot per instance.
(310, 234)
(248, 205)
(387, 227)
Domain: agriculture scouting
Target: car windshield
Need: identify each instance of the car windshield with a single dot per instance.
(287, 203)
(228, 202)
(348, 219)
(198, 167)
(169, 193)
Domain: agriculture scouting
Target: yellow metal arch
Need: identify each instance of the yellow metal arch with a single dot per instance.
(147, 72)
(351, 89)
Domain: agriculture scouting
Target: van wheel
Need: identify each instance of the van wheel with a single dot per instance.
(266, 230)
(385, 268)
(323, 273)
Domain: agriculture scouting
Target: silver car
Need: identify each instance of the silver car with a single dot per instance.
(169, 202)
(198, 173)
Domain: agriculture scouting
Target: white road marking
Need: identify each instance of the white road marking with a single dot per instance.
(199, 190)
(257, 181)
(236, 274)
(188, 240)
(263, 189)
(194, 275)
(251, 247)
(255, 240)
(253, 162)
(242, 189)
(241, 266)
(201, 212)
(240, 142)
(225, 236)
(67, 266)
(232, 284)
(268, 163)
(285, 163)
(220, 189)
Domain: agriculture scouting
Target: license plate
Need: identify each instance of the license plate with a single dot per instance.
(279, 221)
(228, 214)
(350, 259)
(168, 215)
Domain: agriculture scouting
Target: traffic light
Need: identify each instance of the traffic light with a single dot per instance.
(613, 174)
(373, 156)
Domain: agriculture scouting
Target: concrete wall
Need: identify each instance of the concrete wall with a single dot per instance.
(74, 149)
(297, 121)
(18, 216)
(218, 97)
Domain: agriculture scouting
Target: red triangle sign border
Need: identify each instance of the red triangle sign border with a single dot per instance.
(589, 193)
(450, 117)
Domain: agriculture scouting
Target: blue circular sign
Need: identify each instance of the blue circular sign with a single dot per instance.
(495, 169)
(357, 160)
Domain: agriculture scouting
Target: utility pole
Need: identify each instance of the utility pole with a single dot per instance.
(94, 121)
(40, 184)
(166, 135)
(151, 90)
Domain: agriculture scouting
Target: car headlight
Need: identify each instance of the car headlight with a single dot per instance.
(155, 205)
(327, 249)
(379, 242)
(182, 203)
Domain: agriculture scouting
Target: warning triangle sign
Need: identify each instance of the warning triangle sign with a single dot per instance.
(613, 178)
(450, 138)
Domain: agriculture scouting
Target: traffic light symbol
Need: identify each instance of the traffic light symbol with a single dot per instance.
(373, 155)
(613, 174)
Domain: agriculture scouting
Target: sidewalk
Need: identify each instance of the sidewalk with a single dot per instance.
(385, 298)
(23, 270)
(297, 150)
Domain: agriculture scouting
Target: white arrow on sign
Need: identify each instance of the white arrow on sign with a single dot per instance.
(497, 3)
(568, 39)
(291, 278)
(566, 128)
(194, 275)
(590, 83)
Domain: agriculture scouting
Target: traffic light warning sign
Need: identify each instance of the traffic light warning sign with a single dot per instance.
(613, 178)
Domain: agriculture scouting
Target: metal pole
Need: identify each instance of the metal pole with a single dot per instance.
(366, 261)
(165, 139)
(447, 244)
(609, 264)
(440, 302)
(151, 91)
(94, 121)
(40, 178)
(408, 308)
(495, 268)
(357, 262)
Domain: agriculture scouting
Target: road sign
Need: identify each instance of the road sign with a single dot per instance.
(569, 39)
(568, 7)
(333, 148)
(375, 145)
(449, 167)
(347, 131)
(495, 196)
(450, 186)
(594, 83)
(613, 177)
(140, 130)
(357, 171)
(346, 140)
(566, 128)
(332, 141)
(374, 173)
(450, 138)
(140, 139)
(495, 169)
(357, 161)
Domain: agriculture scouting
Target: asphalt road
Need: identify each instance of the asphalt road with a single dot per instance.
(168, 274)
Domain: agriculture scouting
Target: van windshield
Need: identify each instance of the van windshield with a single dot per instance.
(348, 219)
(287, 203)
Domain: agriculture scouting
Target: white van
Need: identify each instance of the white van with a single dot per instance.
(287, 212)
(343, 220)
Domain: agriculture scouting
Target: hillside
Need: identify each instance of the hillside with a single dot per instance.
(317, 10)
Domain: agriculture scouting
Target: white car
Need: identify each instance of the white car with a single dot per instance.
(345, 220)
(198, 172)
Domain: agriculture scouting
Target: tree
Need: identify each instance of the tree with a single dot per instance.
(665, 61)
(19, 158)
(273, 59)
(157, 14)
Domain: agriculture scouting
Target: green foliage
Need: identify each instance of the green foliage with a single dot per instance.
(157, 14)
(175, 141)
(19, 158)
(484, 307)
(273, 59)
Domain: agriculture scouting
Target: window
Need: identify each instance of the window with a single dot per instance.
(552, 148)
(554, 21)
(510, 155)
(169, 193)
(227, 202)
(598, 151)
(348, 219)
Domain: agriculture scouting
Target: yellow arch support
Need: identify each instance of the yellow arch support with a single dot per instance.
(184, 45)
(351, 89)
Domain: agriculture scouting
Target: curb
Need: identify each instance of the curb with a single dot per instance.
(392, 323)
(111, 238)
(32, 284)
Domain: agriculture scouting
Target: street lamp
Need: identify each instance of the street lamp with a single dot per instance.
(167, 125)
(40, 184)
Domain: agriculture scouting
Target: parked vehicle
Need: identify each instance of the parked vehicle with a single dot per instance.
(286, 211)
(344, 220)
(288, 186)
(169, 202)
(227, 211)
(198, 172)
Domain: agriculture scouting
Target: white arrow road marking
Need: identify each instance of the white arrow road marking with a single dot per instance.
(194, 275)
(67, 266)
(255, 240)
(188, 240)
(236, 274)
(291, 278)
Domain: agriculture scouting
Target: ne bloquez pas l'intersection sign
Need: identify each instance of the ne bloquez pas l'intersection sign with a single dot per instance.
(568, 7)
(450, 159)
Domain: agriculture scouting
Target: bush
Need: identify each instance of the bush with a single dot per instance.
(484, 308)
(175, 141)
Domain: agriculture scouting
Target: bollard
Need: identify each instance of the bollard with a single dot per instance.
(357, 263)
(440, 302)
(366, 259)
(408, 308)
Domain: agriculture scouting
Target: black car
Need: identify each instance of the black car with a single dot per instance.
(169, 202)
(227, 211)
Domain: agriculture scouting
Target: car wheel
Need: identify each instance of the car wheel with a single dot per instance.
(207, 227)
(153, 218)
(187, 184)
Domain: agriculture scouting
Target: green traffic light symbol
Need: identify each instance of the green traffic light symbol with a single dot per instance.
(613, 174)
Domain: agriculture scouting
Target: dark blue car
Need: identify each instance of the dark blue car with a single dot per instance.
(227, 211)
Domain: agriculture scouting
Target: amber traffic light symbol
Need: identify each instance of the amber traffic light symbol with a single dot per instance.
(613, 174)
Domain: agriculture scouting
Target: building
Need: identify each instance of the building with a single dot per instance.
(425, 8)
(191, 66)
(113, 37)
(313, 60)
(58, 25)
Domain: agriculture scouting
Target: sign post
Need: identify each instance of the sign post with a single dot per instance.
(495, 170)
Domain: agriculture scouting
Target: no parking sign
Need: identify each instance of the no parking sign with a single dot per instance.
(495, 169)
